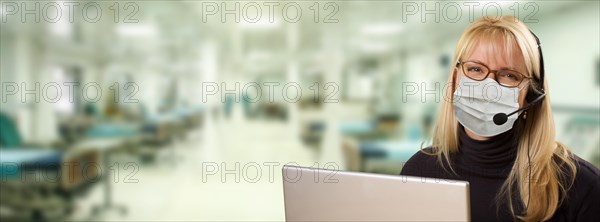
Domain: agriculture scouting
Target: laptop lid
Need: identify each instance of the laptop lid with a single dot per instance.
(313, 194)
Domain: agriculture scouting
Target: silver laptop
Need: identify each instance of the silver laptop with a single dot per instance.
(331, 195)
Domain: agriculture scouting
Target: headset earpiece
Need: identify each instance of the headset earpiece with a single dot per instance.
(542, 70)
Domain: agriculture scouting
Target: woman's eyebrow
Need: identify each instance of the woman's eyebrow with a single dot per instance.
(508, 67)
(503, 67)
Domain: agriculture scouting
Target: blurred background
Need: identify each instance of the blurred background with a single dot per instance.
(187, 110)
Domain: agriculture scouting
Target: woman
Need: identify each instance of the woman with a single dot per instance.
(499, 69)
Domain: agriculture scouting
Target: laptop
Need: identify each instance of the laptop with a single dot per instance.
(312, 194)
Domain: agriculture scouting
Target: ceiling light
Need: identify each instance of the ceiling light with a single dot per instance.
(136, 30)
(260, 24)
(382, 29)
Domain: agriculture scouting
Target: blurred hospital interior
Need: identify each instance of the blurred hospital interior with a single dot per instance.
(187, 110)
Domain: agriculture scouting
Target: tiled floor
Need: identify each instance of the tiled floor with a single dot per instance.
(180, 191)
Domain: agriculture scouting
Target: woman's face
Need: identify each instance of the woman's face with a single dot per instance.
(496, 60)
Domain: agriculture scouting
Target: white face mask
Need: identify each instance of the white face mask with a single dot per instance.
(476, 103)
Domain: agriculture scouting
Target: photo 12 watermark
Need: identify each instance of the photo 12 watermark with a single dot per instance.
(69, 172)
(53, 92)
(455, 11)
(69, 11)
(253, 172)
(254, 92)
(435, 91)
(266, 12)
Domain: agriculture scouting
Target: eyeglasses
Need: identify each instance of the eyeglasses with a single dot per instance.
(479, 71)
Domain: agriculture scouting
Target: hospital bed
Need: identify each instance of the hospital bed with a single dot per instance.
(40, 183)
(384, 126)
(581, 135)
(390, 154)
(163, 127)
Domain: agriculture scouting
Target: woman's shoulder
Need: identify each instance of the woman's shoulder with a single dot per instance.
(423, 160)
(425, 154)
(587, 174)
(584, 193)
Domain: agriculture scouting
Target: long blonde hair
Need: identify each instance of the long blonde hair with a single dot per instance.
(552, 169)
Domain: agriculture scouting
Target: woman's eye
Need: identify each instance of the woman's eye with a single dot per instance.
(474, 69)
(510, 76)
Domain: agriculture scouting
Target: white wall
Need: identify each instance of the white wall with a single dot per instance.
(571, 52)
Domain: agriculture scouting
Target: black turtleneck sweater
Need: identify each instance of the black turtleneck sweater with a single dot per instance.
(486, 165)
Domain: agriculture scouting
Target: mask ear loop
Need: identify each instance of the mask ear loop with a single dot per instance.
(455, 78)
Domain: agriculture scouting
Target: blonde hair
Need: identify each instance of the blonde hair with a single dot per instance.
(553, 170)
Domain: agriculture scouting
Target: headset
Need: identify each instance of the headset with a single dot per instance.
(501, 118)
